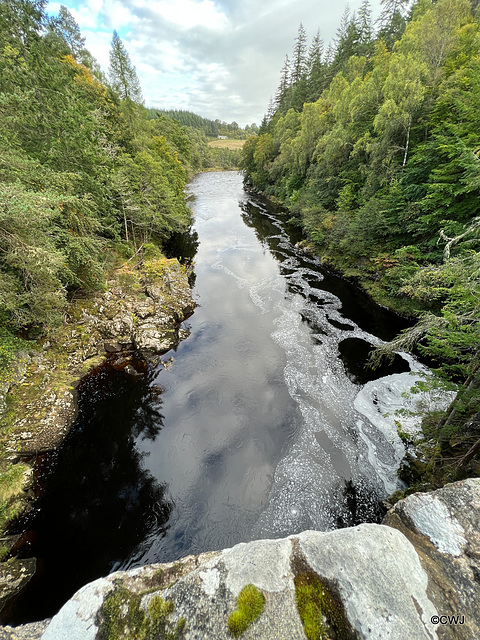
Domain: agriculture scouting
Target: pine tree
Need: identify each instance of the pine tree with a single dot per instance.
(392, 21)
(390, 8)
(282, 96)
(346, 41)
(299, 63)
(364, 23)
(122, 74)
(316, 69)
(66, 27)
(299, 70)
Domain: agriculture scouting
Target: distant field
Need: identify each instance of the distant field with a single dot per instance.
(227, 144)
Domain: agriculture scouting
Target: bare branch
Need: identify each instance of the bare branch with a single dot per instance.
(452, 242)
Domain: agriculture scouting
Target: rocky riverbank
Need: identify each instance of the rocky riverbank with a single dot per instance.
(415, 576)
(138, 315)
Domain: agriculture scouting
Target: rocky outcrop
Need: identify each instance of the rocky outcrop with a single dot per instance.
(139, 314)
(403, 579)
(444, 527)
(30, 631)
(366, 598)
(14, 575)
(141, 310)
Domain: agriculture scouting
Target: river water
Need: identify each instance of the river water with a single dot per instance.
(262, 423)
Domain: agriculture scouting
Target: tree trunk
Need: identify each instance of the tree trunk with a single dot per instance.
(407, 143)
(471, 383)
(125, 221)
(469, 455)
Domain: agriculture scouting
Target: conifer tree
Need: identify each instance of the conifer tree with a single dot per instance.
(392, 20)
(122, 74)
(316, 70)
(346, 41)
(282, 96)
(364, 23)
(21, 23)
(299, 64)
(65, 26)
(299, 70)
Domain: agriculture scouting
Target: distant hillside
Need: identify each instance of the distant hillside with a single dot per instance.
(211, 128)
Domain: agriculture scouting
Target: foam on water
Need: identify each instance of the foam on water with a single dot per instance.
(346, 443)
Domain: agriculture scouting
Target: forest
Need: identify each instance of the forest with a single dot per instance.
(211, 128)
(87, 173)
(373, 146)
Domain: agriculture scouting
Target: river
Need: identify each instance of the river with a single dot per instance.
(262, 423)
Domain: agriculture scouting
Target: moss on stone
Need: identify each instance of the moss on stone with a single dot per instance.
(396, 496)
(122, 617)
(250, 603)
(320, 609)
(12, 494)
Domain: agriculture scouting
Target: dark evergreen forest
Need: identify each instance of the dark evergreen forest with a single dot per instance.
(211, 128)
(373, 146)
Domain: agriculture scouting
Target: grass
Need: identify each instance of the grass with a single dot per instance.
(12, 495)
(11, 482)
(227, 144)
(250, 603)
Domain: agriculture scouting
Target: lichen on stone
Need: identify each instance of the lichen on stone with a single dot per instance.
(122, 617)
(250, 604)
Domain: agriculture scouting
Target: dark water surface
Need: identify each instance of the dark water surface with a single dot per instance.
(264, 424)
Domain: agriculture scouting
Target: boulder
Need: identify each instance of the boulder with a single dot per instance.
(362, 582)
(444, 527)
(14, 576)
(415, 576)
(30, 631)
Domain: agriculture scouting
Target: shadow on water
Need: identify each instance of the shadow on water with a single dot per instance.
(360, 508)
(355, 353)
(99, 502)
(182, 246)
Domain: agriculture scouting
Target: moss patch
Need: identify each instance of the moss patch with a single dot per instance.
(318, 603)
(250, 603)
(12, 495)
(122, 617)
(320, 609)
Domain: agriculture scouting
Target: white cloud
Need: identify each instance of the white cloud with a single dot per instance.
(219, 58)
(189, 13)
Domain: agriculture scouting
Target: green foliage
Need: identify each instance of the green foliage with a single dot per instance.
(11, 494)
(10, 345)
(85, 174)
(223, 158)
(382, 168)
(250, 603)
(211, 128)
(122, 73)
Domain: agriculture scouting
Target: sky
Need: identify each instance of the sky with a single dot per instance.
(218, 58)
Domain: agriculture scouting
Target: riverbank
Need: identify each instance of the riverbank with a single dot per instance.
(139, 315)
(367, 277)
(433, 458)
